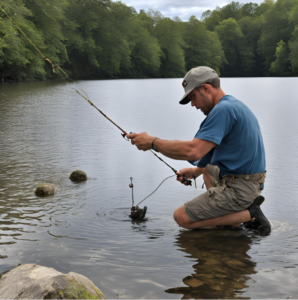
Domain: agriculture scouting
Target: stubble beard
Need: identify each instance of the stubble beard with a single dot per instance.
(207, 105)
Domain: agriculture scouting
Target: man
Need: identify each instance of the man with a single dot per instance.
(227, 150)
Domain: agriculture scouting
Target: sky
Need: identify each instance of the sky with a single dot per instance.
(181, 8)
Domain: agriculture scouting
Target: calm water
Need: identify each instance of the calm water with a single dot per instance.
(47, 131)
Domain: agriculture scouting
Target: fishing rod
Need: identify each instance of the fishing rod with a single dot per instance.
(56, 68)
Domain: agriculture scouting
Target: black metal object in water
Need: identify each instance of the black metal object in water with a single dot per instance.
(138, 213)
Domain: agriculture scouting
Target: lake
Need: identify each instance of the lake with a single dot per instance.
(47, 130)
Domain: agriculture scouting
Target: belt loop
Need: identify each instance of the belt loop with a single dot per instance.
(247, 177)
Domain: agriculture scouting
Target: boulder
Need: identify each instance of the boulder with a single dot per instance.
(32, 281)
(78, 176)
(44, 190)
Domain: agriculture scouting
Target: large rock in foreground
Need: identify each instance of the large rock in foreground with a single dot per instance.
(32, 281)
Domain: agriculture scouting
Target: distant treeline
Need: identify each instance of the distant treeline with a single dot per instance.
(105, 39)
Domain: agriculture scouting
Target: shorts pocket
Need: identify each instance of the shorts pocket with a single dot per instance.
(224, 198)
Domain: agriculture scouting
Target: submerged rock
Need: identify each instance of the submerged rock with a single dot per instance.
(44, 190)
(32, 281)
(192, 282)
(78, 176)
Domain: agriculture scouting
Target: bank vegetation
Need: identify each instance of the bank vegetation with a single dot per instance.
(105, 39)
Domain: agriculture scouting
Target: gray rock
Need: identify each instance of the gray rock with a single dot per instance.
(78, 176)
(44, 190)
(32, 281)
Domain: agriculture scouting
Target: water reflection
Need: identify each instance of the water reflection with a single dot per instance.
(221, 264)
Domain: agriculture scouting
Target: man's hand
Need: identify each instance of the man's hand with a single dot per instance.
(142, 140)
(187, 173)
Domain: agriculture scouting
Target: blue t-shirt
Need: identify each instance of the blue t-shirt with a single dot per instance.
(233, 127)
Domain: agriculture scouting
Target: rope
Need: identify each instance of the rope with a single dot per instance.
(155, 189)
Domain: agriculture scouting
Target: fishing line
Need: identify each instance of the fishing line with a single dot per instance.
(139, 213)
(56, 68)
(86, 97)
(155, 189)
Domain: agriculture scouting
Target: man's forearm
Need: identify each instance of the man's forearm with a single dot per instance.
(198, 171)
(181, 150)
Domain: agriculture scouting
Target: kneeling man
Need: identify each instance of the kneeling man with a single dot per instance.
(227, 150)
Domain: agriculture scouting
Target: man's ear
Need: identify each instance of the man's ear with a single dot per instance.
(206, 87)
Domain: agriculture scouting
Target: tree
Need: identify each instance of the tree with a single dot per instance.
(231, 38)
(249, 9)
(19, 59)
(281, 65)
(212, 18)
(48, 17)
(250, 59)
(202, 47)
(275, 27)
(146, 52)
(169, 36)
(232, 10)
(293, 43)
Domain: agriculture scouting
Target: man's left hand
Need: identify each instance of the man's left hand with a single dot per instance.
(142, 140)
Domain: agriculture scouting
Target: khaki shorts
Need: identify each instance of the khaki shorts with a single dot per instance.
(224, 198)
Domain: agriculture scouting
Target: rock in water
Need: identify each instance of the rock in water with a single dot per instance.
(192, 282)
(32, 281)
(78, 176)
(44, 190)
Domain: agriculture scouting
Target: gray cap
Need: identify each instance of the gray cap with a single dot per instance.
(195, 78)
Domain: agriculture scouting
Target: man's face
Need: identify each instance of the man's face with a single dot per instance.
(200, 100)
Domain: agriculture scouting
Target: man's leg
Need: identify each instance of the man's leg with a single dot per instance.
(209, 184)
(231, 219)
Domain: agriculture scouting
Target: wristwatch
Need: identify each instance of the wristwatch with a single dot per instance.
(153, 147)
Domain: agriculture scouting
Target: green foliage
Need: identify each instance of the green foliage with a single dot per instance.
(293, 43)
(275, 27)
(250, 58)
(17, 59)
(146, 52)
(169, 36)
(231, 38)
(281, 65)
(202, 47)
(107, 39)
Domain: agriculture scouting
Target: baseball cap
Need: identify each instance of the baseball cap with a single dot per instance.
(195, 78)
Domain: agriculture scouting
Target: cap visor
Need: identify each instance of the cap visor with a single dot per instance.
(185, 99)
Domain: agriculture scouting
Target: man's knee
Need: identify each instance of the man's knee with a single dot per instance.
(181, 217)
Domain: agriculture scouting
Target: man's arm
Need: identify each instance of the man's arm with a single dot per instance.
(181, 150)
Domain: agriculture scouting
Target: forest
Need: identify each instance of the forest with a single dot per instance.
(104, 39)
